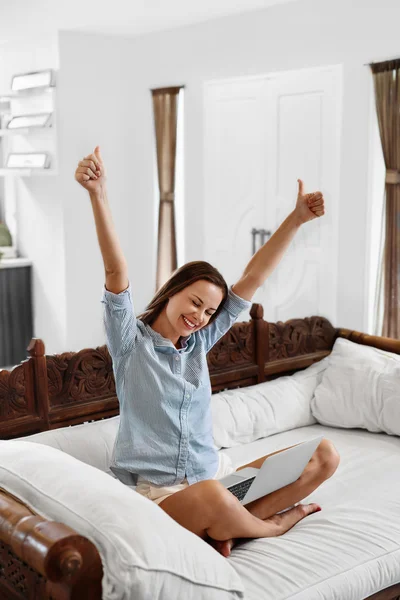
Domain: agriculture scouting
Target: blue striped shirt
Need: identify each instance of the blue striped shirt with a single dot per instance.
(165, 432)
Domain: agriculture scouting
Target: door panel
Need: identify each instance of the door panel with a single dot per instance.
(262, 134)
(303, 118)
(235, 148)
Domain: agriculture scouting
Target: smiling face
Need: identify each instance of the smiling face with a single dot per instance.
(191, 309)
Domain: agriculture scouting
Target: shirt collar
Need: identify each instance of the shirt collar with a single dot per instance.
(162, 342)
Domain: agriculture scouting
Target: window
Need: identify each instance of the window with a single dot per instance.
(179, 183)
(375, 228)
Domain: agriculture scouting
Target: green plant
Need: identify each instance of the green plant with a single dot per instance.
(5, 235)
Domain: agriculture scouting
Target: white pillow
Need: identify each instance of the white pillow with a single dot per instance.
(91, 443)
(145, 553)
(246, 414)
(359, 388)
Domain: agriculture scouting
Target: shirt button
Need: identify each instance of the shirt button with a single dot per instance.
(176, 357)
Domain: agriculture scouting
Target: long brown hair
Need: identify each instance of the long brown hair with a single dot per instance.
(180, 279)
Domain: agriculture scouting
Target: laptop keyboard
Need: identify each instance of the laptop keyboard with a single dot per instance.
(240, 489)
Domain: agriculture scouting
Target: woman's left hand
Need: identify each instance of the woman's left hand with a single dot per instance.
(308, 206)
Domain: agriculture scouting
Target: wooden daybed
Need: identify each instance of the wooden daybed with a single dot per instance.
(44, 559)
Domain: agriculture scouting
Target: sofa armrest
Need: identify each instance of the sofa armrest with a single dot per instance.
(69, 562)
(140, 546)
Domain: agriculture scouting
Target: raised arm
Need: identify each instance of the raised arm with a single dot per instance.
(120, 323)
(91, 174)
(264, 261)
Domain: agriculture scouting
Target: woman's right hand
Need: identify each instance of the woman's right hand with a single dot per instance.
(90, 172)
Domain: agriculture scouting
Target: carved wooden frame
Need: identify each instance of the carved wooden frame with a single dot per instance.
(41, 559)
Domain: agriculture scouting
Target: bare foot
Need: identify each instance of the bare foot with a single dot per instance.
(282, 522)
(223, 547)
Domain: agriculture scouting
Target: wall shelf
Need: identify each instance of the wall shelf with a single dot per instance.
(7, 132)
(27, 172)
(23, 131)
(29, 92)
(29, 139)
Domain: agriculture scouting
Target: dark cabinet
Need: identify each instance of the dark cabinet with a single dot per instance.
(16, 323)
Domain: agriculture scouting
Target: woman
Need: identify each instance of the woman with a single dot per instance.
(164, 444)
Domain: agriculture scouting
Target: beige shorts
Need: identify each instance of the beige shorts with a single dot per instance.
(158, 494)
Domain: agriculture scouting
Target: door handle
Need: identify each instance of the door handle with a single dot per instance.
(254, 232)
(264, 233)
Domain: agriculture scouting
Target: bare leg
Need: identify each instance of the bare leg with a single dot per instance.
(210, 510)
(322, 465)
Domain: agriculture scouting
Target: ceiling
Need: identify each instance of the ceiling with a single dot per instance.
(120, 17)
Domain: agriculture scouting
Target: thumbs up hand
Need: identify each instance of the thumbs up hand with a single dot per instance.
(90, 172)
(309, 206)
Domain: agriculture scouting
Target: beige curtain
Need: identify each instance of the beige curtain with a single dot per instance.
(165, 107)
(387, 96)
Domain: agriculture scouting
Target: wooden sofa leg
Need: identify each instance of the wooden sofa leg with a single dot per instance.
(69, 563)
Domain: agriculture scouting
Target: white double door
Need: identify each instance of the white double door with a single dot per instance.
(261, 135)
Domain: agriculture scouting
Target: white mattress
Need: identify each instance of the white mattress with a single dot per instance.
(349, 550)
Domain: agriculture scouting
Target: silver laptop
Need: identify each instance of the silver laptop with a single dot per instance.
(278, 470)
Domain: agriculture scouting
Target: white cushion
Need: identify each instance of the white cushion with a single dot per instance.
(91, 443)
(145, 553)
(349, 550)
(359, 388)
(246, 414)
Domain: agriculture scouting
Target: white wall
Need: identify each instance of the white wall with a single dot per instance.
(41, 238)
(98, 105)
(22, 54)
(303, 34)
(38, 204)
(104, 98)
